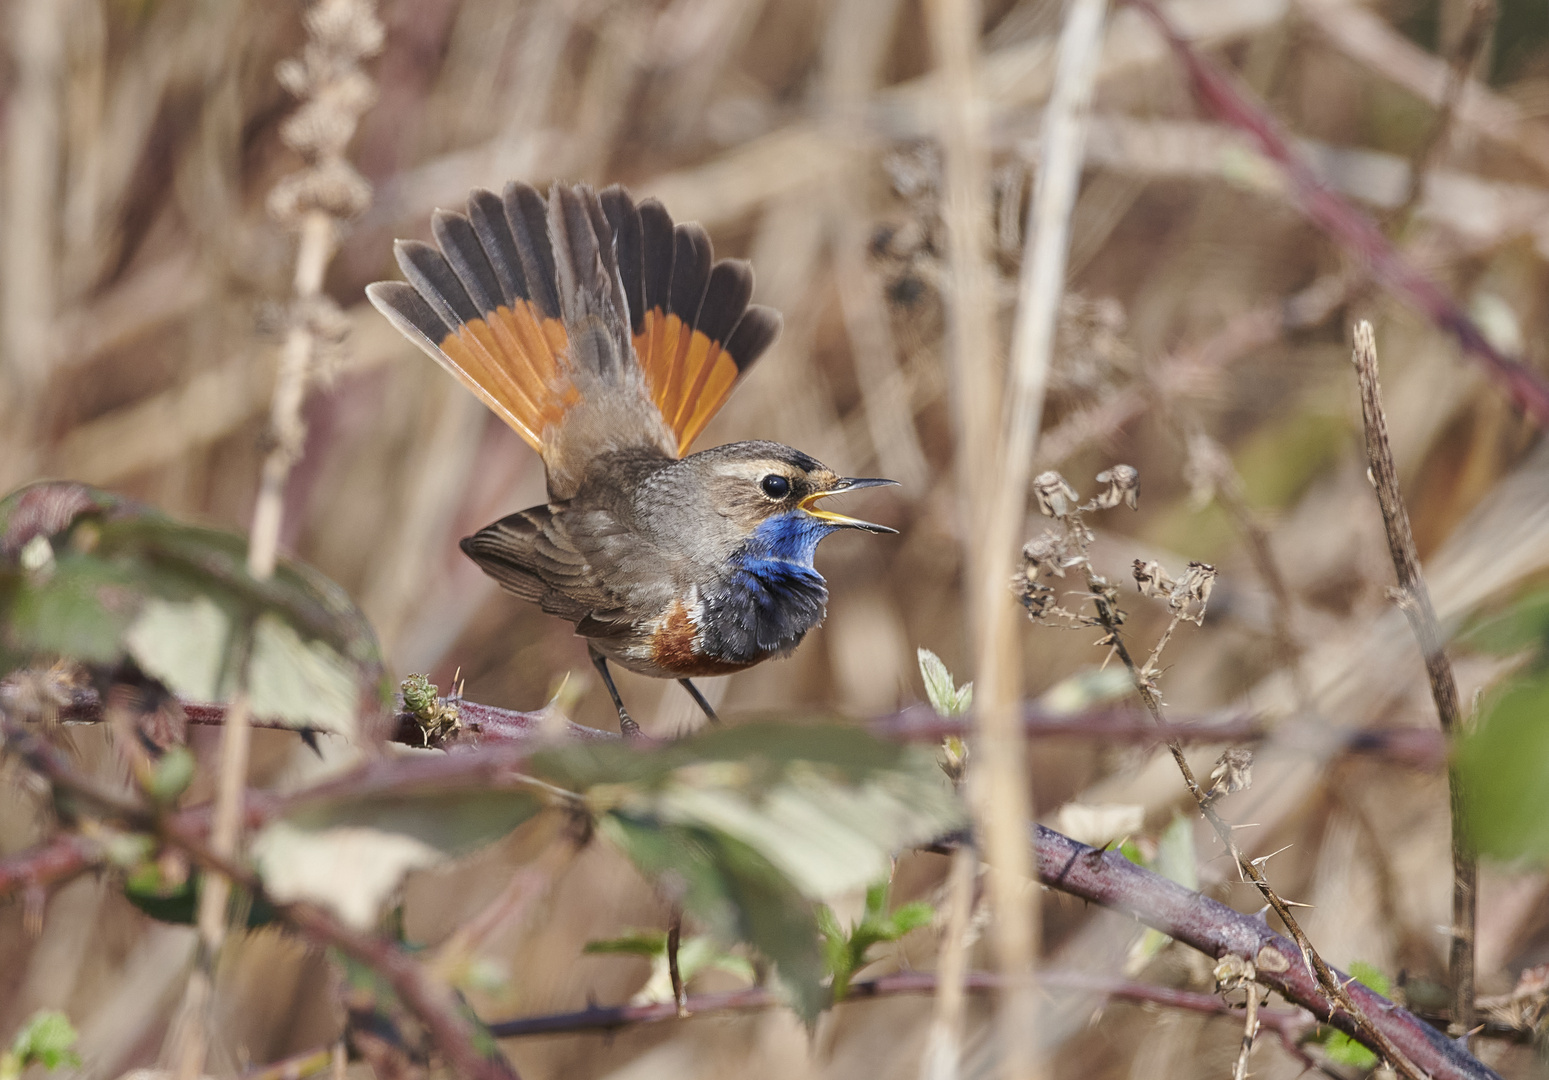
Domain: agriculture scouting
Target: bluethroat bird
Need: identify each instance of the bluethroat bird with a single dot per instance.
(607, 337)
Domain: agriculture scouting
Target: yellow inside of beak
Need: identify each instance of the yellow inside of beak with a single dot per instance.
(809, 504)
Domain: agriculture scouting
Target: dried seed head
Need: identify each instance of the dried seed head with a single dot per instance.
(1198, 581)
(1056, 498)
(1123, 485)
(1186, 596)
(1050, 553)
(1233, 772)
(1151, 579)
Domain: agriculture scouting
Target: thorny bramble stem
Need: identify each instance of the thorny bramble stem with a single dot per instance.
(1058, 500)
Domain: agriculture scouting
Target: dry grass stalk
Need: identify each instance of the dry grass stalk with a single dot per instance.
(335, 92)
(999, 788)
(1415, 600)
(37, 36)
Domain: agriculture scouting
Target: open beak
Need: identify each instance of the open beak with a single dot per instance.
(847, 483)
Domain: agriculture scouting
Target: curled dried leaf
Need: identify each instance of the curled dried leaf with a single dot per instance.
(1056, 498)
(1151, 579)
(1122, 486)
(1192, 593)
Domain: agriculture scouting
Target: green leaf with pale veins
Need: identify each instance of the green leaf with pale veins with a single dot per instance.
(89, 576)
(351, 854)
(945, 696)
(748, 826)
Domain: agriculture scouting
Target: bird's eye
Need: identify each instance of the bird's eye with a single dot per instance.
(775, 486)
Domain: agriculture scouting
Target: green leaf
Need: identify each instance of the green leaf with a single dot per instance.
(1504, 768)
(307, 682)
(86, 575)
(1087, 689)
(733, 892)
(1341, 1048)
(825, 805)
(351, 854)
(178, 902)
(1175, 857)
(849, 952)
(1523, 625)
(1175, 860)
(746, 826)
(646, 943)
(1371, 977)
(171, 775)
(184, 644)
(46, 1039)
(944, 695)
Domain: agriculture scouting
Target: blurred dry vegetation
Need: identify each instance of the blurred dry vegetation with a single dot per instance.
(1205, 342)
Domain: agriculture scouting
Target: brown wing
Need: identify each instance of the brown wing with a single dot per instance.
(586, 323)
(531, 555)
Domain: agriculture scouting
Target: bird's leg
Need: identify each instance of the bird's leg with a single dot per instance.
(694, 693)
(630, 729)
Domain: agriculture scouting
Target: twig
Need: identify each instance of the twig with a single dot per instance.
(1107, 878)
(1349, 227)
(484, 726)
(674, 973)
(1470, 44)
(335, 92)
(1293, 1023)
(430, 1001)
(1102, 877)
(53, 862)
(1290, 1025)
(943, 1043)
(1250, 1032)
(1415, 600)
(1250, 869)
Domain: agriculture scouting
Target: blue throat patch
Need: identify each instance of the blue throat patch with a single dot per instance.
(772, 595)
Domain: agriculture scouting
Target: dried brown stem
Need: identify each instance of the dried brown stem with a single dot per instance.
(1102, 877)
(1250, 868)
(1468, 48)
(999, 791)
(486, 726)
(430, 1000)
(674, 972)
(1415, 600)
(943, 1044)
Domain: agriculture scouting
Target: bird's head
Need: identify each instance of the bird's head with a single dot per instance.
(766, 497)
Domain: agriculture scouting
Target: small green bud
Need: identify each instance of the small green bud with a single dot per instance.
(420, 695)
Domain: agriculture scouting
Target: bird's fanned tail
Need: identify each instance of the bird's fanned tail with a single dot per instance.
(584, 320)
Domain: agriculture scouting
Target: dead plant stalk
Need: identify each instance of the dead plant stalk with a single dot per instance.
(1102, 593)
(334, 93)
(1415, 600)
(997, 792)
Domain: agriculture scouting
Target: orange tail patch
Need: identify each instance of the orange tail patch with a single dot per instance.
(484, 304)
